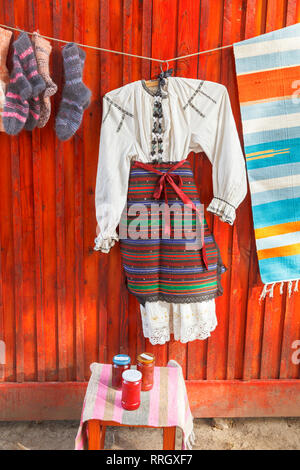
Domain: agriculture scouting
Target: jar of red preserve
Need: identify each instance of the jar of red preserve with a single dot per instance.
(121, 362)
(145, 364)
(131, 389)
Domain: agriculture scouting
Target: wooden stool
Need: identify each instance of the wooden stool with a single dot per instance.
(97, 429)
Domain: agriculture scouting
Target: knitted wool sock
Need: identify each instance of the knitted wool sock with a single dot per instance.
(75, 96)
(34, 113)
(42, 49)
(28, 62)
(5, 37)
(86, 104)
(16, 106)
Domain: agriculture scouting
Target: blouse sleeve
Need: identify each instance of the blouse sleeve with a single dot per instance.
(116, 149)
(220, 141)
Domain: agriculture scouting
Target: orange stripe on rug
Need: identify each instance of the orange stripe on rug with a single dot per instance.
(279, 229)
(279, 251)
(267, 84)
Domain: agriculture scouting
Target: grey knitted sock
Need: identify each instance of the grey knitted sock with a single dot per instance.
(82, 54)
(28, 62)
(75, 97)
(16, 107)
(34, 113)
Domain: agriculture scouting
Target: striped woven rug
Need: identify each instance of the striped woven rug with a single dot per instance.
(268, 75)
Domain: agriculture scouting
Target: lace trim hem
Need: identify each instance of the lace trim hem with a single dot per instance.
(105, 244)
(222, 209)
(201, 331)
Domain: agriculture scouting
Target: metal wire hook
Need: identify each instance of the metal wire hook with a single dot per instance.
(164, 62)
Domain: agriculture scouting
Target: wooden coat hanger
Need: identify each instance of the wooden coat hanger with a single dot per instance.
(151, 83)
(154, 82)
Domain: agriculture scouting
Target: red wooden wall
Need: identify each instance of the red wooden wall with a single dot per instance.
(62, 305)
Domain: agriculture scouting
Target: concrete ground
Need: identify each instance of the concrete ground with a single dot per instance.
(224, 434)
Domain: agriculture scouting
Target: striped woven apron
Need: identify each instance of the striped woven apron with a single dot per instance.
(160, 265)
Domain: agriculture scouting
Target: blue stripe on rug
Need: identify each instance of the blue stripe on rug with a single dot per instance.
(279, 212)
(287, 32)
(275, 195)
(270, 172)
(268, 61)
(271, 136)
(276, 145)
(280, 159)
(270, 108)
(285, 267)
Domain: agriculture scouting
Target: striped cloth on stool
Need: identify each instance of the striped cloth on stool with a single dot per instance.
(165, 405)
(268, 71)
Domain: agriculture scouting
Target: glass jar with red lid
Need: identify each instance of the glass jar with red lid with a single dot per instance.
(131, 389)
(145, 364)
(121, 362)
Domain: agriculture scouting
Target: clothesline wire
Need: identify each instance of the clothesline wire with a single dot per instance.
(102, 49)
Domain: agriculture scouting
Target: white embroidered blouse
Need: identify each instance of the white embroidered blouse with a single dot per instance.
(197, 117)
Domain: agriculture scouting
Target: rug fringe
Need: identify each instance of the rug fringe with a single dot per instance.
(269, 288)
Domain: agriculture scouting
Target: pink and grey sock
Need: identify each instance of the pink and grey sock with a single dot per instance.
(42, 49)
(16, 106)
(75, 97)
(5, 37)
(22, 108)
(27, 58)
(33, 114)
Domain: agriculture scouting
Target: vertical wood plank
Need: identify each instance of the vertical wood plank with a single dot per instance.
(79, 28)
(92, 262)
(7, 245)
(234, 26)
(48, 163)
(71, 275)
(291, 327)
(276, 14)
(17, 244)
(291, 12)
(61, 10)
(255, 18)
(33, 13)
(254, 25)
(18, 271)
(103, 259)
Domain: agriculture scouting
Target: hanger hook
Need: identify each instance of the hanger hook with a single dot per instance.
(164, 62)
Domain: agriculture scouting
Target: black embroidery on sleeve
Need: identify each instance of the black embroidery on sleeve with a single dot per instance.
(122, 110)
(190, 100)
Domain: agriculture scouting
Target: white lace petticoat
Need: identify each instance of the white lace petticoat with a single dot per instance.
(187, 322)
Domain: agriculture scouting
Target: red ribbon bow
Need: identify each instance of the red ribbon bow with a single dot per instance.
(161, 186)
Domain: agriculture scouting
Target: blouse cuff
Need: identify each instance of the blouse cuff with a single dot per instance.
(105, 244)
(222, 209)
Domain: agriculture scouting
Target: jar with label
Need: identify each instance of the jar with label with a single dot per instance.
(131, 389)
(121, 362)
(145, 364)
